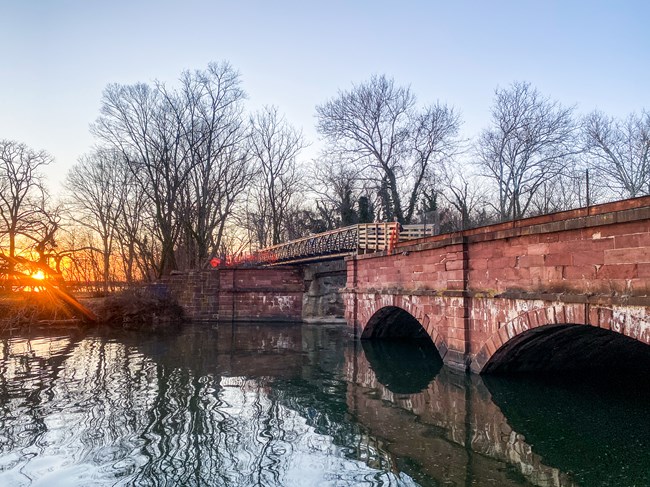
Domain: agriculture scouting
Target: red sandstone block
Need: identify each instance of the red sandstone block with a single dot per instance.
(629, 228)
(575, 313)
(517, 276)
(491, 347)
(579, 272)
(520, 324)
(538, 249)
(501, 263)
(632, 240)
(560, 314)
(639, 287)
(453, 265)
(553, 273)
(478, 264)
(539, 317)
(455, 275)
(531, 261)
(590, 243)
(617, 271)
(587, 257)
(605, 317)
(548, 237)
(503, 334)
(643, 270)
(515, 250)
(485, 251)
(455, 333)
(562, 247)
(536, 275)
(593, 316)
(558, 259)
(625, 256)
(456, 344)
(533, 318)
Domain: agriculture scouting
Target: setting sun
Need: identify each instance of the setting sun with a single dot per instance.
(38, 275)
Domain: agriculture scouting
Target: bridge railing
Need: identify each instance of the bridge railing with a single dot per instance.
(412, 232)
(362, 238)
(373, 237)
(334, 242)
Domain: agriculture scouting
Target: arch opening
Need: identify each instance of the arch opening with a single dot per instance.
(396, 323)
(400, 351)
(570, 350)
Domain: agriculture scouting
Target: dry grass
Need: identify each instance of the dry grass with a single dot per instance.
(140, 309)
(20, 310)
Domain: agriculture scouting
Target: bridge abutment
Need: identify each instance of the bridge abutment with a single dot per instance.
(322, 300)
(239, 294)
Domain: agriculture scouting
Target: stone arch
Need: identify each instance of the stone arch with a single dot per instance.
(379, 307)
(602, 324)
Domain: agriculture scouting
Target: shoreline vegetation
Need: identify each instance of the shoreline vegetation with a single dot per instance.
(137, 308)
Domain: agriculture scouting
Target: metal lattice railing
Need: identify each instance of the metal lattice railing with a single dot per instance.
(362, 238)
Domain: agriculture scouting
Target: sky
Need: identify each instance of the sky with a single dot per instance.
(57, 56)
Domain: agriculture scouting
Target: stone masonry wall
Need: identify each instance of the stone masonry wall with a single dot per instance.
(466, 289)
(239, 294)
(322, 299)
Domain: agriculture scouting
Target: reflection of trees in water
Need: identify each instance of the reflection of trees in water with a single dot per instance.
(116, 410)
(28, 369)
(113, 415)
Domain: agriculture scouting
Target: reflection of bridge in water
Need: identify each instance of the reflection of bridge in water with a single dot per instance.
(457, 434)
(140, 396)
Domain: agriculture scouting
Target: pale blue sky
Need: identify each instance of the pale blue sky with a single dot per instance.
(57, 56)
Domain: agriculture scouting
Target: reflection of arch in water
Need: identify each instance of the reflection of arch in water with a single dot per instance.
(455, 431)
(402, 320)
(545, 340)
(605, 425)
(403, 366)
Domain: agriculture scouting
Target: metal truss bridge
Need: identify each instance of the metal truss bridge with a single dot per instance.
(360, 239)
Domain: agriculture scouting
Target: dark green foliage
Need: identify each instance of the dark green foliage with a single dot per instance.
(366, 212)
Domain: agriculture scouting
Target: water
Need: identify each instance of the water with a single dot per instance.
(293, 406)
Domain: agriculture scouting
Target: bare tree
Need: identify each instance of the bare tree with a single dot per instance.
(97, 188)
(377, 125)
(531, 142)
(142, 123)
(220, 164)
(464, 193)
(619, 152)
(562, 193)
(186, 151)
(337, 186)
(22, 193)
(274, 145)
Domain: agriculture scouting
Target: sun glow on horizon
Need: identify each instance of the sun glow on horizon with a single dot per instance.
(38, 275)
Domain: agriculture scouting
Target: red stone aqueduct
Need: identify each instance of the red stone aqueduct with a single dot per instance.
(534, 294)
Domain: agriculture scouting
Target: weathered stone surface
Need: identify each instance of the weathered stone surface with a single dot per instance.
(477, 292)
(239, 294)
(322, 299)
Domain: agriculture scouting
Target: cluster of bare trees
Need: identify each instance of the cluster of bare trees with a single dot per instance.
(182, 174)
(177, 169)
(533, 158)
(27, 224)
